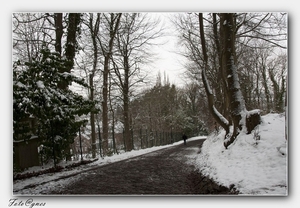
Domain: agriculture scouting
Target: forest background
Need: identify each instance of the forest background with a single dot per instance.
(293, 19)
(90, 72)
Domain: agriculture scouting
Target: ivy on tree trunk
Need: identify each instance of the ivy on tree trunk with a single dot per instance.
(229, 75)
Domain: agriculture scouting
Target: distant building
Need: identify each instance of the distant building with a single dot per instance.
(86, 145)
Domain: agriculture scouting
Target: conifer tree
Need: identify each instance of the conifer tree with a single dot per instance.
(36, 94)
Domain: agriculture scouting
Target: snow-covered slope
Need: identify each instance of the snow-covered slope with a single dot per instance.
(255, 167)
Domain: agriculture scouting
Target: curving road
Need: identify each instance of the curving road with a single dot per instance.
(163, 172)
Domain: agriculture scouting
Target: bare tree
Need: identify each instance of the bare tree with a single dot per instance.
(225, 39)
(106, 45)
(218, 117)
(277, 69)
(92, 22)
(270, 28)
(30, 32)
(134, 37)
(229, 66)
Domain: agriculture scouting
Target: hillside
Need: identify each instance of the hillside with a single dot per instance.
(254, 166)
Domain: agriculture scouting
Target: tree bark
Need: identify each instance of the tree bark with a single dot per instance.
(277, 91)
(92, 119)
(107, 56)
(94, 29)
(266, 87)
(104, 106)
(286, 109)
(221, 75)
(58, 31)
(129, 144)
(113, 119)
(237, 105)
(217, 116)
(74, 21)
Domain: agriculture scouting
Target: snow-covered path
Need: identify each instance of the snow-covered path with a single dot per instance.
(50, 182)
(260, 167)
(163, 172)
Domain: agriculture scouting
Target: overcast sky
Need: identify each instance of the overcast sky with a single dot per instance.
(170, 61)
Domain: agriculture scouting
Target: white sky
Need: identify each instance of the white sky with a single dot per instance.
(169, 60)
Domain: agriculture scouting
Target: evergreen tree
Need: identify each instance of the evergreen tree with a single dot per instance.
(36, 94)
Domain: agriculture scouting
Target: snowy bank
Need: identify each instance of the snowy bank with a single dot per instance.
(255, 167)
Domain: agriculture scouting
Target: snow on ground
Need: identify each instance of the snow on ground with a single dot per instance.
(255, 167)
(48, 182)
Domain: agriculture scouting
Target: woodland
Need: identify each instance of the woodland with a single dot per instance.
(87, 73)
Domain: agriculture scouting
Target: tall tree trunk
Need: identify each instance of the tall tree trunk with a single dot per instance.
(104, 106)
(266, 87)
(92, 119)
(113, 29)
(129, 145)
(74, 21)
(257, 90)
(238, 113)
(94, 30)
(221, 75)
(113, 117)
(286, 108)
(58, 31)
(277, 91)
(237, 105)
(215, 113)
